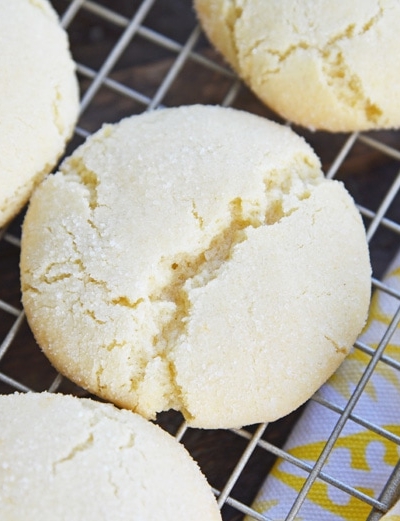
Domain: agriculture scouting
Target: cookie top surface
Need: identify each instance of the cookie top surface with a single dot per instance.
(38, 101)
(197, 259)
(333, 69)
(69, 458)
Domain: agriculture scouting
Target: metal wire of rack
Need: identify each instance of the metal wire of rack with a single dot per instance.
(134, 56)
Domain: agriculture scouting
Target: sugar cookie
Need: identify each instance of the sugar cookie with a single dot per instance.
(63, 457)
(38, 98)
(320, 65)
(195, 258)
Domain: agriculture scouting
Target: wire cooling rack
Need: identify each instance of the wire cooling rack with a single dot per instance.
(134, 56)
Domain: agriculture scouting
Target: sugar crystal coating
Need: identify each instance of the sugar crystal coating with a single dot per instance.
(72, 458)
(228, 285)
(315, 65)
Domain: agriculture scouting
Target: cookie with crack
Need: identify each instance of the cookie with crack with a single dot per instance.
(195, 258)
(320, 65)
(38, 98)
(72, 458)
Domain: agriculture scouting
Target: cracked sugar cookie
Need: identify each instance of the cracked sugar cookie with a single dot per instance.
(63, 457)
(322, 65)
(195, 258)
(38, 98)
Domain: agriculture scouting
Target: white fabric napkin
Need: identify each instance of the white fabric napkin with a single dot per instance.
(363, 456)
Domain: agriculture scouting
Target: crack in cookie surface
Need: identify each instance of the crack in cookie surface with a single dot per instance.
(166, 306)
(330, 57)
(190, 272)
(159, 263)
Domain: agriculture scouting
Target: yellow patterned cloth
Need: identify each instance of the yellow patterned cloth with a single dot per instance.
(361, 457)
